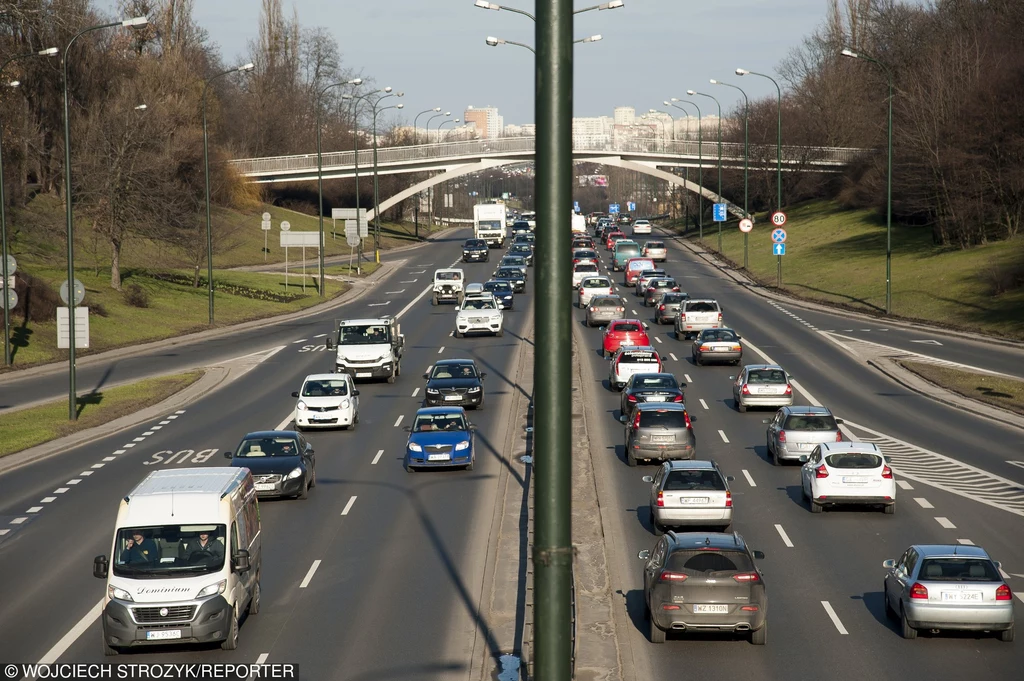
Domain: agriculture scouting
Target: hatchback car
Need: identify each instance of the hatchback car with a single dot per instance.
(690, 494)
(440, 437)
(502, 292)
(717, 345)
(666, 311)
(611, 238)
(583, 242)
(454, 382)
(282, 462)
(623, 332)
(655, 250)
(798, 430)
(582, 271)
(640, 283)
(762, 385)
(696, 582)
(631, 360)
(327, 401)
(653, 387)
(475, 250)
(524, 251)
(604, 309)
(525, 237)
(593, 286)
(583, 255)
(847, 473)
(948, 586)
(657, 288)
(513, 275)
(514, 261)
(659, 432)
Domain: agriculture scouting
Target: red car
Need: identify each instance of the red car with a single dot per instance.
(624, 332)
(610, 240)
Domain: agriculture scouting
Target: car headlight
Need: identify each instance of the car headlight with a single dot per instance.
(413, 447)
(296, 472)
(474, 390)
(432, 391)
(345, 404)
(213, 589)
(462, 445)
(119, 594)
(301, 406)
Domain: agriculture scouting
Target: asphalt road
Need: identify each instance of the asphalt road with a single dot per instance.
(398, 558)
(823, 572)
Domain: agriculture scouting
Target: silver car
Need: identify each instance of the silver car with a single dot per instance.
(604, 309)
(655, 250)
(669, 306)
(798, 430)
(641, 280)
(948, 587)
(690, 494)
(762, 385)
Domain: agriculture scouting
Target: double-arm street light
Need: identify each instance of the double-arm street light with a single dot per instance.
(49, 52)
(444, 185)
(355, 149)
(483, 4)
(694, 93)
(376, 200)
(68, 200)
(494, 42)
(746, 158)
(415, 126)
(320, 171)
(888, 182)
(700, 160)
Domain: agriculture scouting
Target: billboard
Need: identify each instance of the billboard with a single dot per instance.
(593, 180)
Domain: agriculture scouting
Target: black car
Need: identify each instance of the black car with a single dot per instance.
(520, 227)
(281, 461)
(475, 250)
(525, 238)
(502, 291)
(514, 276)
(523, 250)
(454, 383)
(650, 388)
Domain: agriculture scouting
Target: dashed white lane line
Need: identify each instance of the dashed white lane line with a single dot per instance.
(164, 423)
(108, 459)
(657, 339)
(750, 480)
(785, 537)
(59, 648)
(98, 465)
(320, 335)
(309, 575)
(138, 439)
(904, 484)
(391, 293)
(724, 438)
(687, 377)
(834, 617)
(399, 421)
(451, 334)
(147, 433)
(121, 451)
(262, 658)
(415, 392)
(634, 312)
(47, 500)
(86, 474)
(965, 542)
(673, 356)
(34, 509)
(348, 506)
(60, 490)
(703, 403)
(153, 428)
(301, 340)
(73, 481)
(440, 350)
(380, 453)
(923, 503)
(18, 521)
(128, 445)
(409, 281)
(286, 421)
(945, 523)
(3, 532)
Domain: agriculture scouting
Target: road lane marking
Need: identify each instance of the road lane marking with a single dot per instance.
(750, 480)
(128, 445)
(415, 392)
(673, 356)
(380, 453)
(147, 433)
(73, 481)
(657, 339)
(98, 465)
(60, 490)
(164, 422)
(1018, 464)
(86, 474)
(121, 451)
(171, 417)
(923, 503)
(59, 648)
(387, 302)
(785, 537)
(34, 509)
(724, 438)
(18, 521)
(108, 459)
(904, 484)
(703, 403)
(965, 542)
(418, 272)
(138, 439)
(3, 532)
(945, 523)
(348, 506)
(47, 500)
(834, 617)
(284, 423)
(309, 575)
(409, 281)
(687, 377)
(634, 312)
(301, 340)
(440, 350)
(399, 421)
(320, 335)
(391, 293)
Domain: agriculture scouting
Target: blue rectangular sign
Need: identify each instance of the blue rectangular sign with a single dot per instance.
(613, 208)
(630, 206)
(778, 249)
(720, 214)
(576, 206)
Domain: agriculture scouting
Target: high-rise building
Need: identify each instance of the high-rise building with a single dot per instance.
(625, 115)
(487, 121)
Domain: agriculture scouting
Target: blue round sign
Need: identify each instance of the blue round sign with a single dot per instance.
(779, 235)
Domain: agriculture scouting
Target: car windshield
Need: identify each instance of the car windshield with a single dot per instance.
(426, 423)
(861, 460)
(594, 282)
(666, 419)
(959, 570)
(509, 273)
(663, 283)
(606, 301)
(668, 382)
(454, 371)
(709, 562)
(585, 267)
(625, 327)
(718, 335)
(655, 244)
(263, 447)
(478, 304)
(651, 274)
(766, 376)
(328, 387)
(498, 287)
(638, 357)
(584, 254)
(811, 422)
(168, 550)
(447, 276)
(521, 248)
(702, 307)
(626, 249)
(475, 243)
(512, 260)
(679, 481)
(370, 334)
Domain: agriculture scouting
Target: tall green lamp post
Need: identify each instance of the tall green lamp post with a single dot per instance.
(693, 93)
(700, 160)
(746, 159)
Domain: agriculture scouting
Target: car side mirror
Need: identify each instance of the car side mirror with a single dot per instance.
(739, 337)
(888, 459)
(623, 418)
(355, 393)
(645, 325)
(889, 564)
(766, 420)
(240, 561)
(644, 555)
(329, 344)
(759, 555)
(401, 340)
(100, 567)
(840, 421)
(483, 375)
(732, 378)
(648, 478)
(730, 478)
(803, 458)
(295, 394)
(426, 376)
(473, 428)
(999, 565)
(407, 429)
(227, 454)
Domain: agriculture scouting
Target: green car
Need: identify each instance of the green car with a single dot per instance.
(623, 251)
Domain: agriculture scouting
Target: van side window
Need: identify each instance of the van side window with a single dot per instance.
(234, 538)
(252, 521)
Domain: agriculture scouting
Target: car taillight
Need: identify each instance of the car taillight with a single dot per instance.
(919, 590)
(593, 309)
(745, 390)
(1003, 593)
(675, 288)
(887, 472)
(687, 417)
(661, 307)
(667, 576)
(728, 499)
(719, 317)
(746, 577)
(682, 316)
(821, 471)
(677, 398)
(736, 348)
(631, 398)
(839, 436)
(661, 499)
(782, 436)
(789, 389)
(705, 348)
(620, 309)
(636, 421)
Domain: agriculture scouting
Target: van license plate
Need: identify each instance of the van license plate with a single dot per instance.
(364, 374)
(163, 634)
(264, 486)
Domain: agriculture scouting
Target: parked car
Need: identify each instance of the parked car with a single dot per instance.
(656, 387)
(282, 462)
(327, 401)
(798, 430)
(624, 332)
(717, 345)
(604, 309)
(454, 382)
(690, 494)
(762, 385)
(440, 437)
(658, 432)
(847, 473)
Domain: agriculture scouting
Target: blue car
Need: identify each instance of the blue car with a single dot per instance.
(440, 437)
(502, 291)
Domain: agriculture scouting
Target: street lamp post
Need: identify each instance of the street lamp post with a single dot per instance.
(692, 93)
(355, 151)
(376, 200)
(700, 161)
(483, 4)
(320, 173)
(70, 216)
(444, 185)
(430, 190)
(206, 166)
(49, 52)
(888, 182)
(746, 159)
(415, 126)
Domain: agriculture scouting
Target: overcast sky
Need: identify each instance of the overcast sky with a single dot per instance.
(434, 50)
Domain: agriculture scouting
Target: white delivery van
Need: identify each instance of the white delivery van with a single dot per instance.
(185, 561)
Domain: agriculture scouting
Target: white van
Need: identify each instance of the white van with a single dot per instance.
(185, 560)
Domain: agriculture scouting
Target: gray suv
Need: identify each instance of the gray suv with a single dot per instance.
(798, 430)
(704, 582)
(659, 431)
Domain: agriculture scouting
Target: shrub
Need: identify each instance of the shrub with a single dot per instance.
(37, 300)
(1000, 278)
(135, 295)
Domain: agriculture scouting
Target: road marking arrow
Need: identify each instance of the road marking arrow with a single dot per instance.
(927, 342)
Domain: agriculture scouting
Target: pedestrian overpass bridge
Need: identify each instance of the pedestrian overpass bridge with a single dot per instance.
(464, 157)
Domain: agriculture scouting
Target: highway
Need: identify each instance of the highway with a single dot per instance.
(377, 575)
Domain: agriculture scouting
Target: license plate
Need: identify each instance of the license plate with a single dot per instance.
(163, 634)
(264, 486)
(852, 480)
(452, 398)
(961, 596)
(711, 608)
(655, 398)
(438, 457)
(766, 391)
(364, 374)
(720, 349)
(805, 445)
(662, 438)
(694, 500)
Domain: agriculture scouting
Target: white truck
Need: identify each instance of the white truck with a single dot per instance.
(579, 223)
(489, 223)
(368, 348)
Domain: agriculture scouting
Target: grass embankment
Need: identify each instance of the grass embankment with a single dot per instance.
(367, 268)
(36, 425)
(838, 256)
(998, 391)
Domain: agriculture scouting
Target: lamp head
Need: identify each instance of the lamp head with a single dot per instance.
(691, 92)
(14, 83)
(741, 72)
(652, 111)
(483, 4)
(436, 108)
(666, 103)
(48, 52)
(847, 52)
(614, 4)
(400, 106)
(400, 94)
(675, 99)
(141, 107)
(593, 38)
(387, 89)
(356, 81)
(492, 41)
(458, 120)
(714, 82)
(246, 67)
(135, 21)
(447, 113)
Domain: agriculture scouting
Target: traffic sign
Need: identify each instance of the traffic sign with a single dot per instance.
(352, 240)
(9, 301)
(265, 225)
(81, 327)
(746, 225)
(285, 225)
(266, 217)
(779, 235)
(719, 213)
(778, 218)
(79, 292)
(12, 265)
(613, 208)
(576, 206)
(630, 206)
(10, 282)
(779, 248)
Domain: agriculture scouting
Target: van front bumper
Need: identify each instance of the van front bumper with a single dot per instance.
(384, 370)
(210, 623)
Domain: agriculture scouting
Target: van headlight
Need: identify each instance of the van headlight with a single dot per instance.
(296, 472)
(301, 406)
(474, 389)
(213, 589)
(115, 593)
(462, 445)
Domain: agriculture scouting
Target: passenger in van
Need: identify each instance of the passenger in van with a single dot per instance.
(140, 549)
(204, 546)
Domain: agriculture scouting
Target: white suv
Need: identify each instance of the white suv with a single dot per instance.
(480, 313)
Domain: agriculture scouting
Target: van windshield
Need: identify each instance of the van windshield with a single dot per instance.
(370, 334)
(168, 550)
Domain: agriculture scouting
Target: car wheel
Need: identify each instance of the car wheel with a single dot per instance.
(231, 642)
(501, 332)
(254, 602)
(889, 509)
(907, 631)
(304, 494)
(457, 334)
(774, 454)
(657, 634)
(391, 378)
(630, 459)
(1006, 635)
(433, 300)
(760, 636)
(741, 407)
(109, 650)
(889, 612)
(815, 506)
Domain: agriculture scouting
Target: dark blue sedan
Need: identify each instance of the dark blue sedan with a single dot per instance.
(440, 437)
(502, 291)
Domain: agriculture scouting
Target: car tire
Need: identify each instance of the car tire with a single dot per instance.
(457, 334)
(391, 378)
(697, 359)
(759, 637)
(906, 631)
(630, 459)
(433, 300)
(254, 602)
(231, 642)
(889, 612)
(501, 333)
(657, 634)
(304, 494)
(889, 509)
(815, 506)
(1006, 635)
(742, 408)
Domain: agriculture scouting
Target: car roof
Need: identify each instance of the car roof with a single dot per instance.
(364, 322)
(950, 550)
(630, 321)
(712, 300)
(446, 362)
(694, 465)
(440, 410)
(715, 540)
(270, 433)
(655, 406)
(802, 409)
(599, 277)
(496, 281)
(757, 366)
(637, 348)
(868, 447)
(326, 377)
(650, 374)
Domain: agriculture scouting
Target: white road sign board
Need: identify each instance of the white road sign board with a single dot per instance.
(299, 239)
(285, 225)
(347, 213)
(81, 327)
(10, 300)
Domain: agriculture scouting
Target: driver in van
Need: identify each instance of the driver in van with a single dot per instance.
(204, 545)
(140, 549)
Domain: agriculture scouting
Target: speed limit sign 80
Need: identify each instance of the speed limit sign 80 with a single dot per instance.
(778, 218)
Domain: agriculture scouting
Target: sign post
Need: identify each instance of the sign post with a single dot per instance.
(285, 226)
(8, 297)
(720, 214)
(778, 244)
(265, 226)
